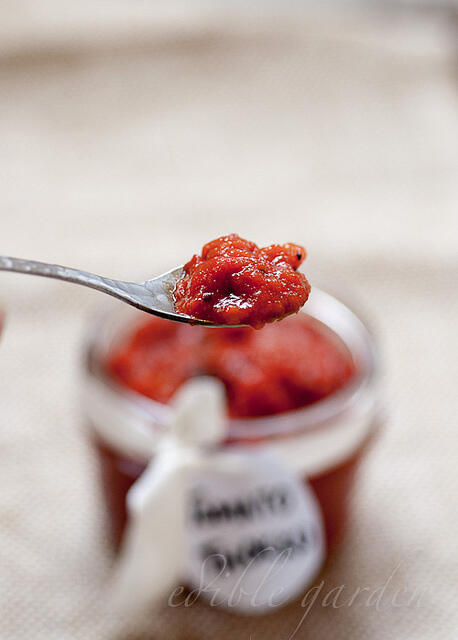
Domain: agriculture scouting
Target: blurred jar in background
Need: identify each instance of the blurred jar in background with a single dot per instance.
(324, 441)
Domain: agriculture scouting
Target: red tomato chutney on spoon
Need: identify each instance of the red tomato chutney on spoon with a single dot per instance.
(236, 282)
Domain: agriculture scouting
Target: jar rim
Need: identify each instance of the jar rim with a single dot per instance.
(321, 306)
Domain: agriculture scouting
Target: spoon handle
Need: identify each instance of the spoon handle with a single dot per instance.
(68, 274)
(153, 296)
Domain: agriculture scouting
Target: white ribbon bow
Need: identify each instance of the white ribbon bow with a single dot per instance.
(151, 560)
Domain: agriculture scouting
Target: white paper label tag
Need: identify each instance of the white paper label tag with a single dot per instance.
(254, 535)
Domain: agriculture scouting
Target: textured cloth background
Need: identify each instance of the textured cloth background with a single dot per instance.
(128, 138)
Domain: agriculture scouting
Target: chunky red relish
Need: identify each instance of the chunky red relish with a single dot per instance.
(287, 365)
(234, 281)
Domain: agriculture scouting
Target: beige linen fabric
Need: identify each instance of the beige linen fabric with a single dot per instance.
(130, 137)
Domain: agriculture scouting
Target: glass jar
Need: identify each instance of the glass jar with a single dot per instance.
(323, 442)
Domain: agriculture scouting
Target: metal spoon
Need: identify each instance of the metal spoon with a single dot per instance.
(153, 296)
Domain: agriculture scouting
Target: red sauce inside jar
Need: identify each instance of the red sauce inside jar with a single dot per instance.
(286, 366)
(234, 281)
